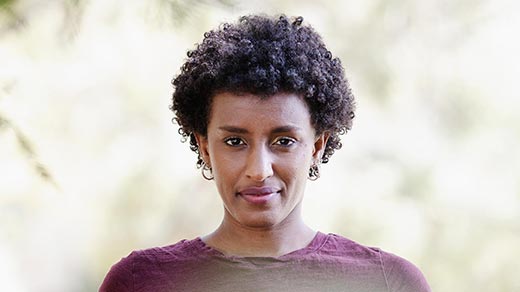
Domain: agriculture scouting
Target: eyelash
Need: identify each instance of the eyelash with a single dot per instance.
(229, 141)
(236, 141)
(290, 141)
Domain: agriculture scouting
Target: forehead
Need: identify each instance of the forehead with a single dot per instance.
(281, 109)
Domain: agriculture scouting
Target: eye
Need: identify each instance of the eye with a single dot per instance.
(284, 141)
(234, 141)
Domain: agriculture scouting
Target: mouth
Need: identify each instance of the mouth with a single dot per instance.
(258, 195)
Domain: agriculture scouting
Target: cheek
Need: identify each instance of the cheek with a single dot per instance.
(296, 168)
(305, 158)
(225, 168)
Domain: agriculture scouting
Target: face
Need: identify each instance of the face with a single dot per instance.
(260, 151)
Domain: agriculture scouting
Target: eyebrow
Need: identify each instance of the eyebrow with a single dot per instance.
(281, 129)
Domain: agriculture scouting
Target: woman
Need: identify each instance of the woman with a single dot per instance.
(262, 102)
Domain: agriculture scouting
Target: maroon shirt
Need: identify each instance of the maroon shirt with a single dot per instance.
(329, 263)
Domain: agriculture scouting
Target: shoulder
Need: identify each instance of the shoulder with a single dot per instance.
(399, 274)
(184, 249)
(120, 275)
(339, 246)
(402, 275)
(146, 262)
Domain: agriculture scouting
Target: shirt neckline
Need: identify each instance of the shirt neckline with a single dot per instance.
(316, 243)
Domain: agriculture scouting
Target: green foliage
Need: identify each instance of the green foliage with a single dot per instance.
(28, 151)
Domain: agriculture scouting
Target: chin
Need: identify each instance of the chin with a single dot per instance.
(259, 221)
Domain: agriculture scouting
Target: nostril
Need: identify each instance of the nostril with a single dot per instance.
(259, 175)
(259, 171)
(259, 164)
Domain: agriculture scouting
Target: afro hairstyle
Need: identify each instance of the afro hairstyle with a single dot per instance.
(263, 55)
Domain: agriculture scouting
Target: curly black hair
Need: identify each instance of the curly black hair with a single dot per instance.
(263, 55)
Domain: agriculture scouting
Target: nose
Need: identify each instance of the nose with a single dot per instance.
(259, 164)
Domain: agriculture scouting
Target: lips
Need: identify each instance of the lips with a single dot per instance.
(258, 195)
(258, 191)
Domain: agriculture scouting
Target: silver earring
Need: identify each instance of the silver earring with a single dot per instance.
(206, 171)
(314, 171)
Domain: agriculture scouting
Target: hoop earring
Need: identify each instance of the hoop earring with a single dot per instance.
(207, 172)
(314, 171)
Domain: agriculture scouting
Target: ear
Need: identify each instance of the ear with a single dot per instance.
(202, 142)
(319, 146)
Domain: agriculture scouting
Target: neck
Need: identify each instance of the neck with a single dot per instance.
(233, 238)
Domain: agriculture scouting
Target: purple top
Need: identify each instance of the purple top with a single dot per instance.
(329, 263)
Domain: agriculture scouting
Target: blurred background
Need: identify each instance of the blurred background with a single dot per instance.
(91, 166)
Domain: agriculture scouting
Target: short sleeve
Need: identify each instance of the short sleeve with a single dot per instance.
(120, 276)
(403, 276)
